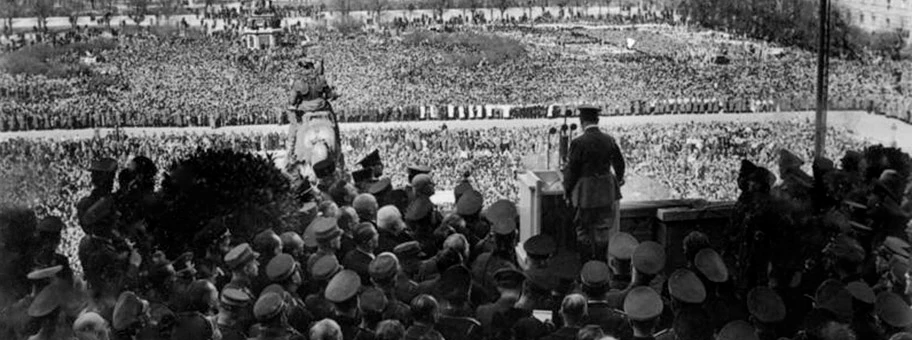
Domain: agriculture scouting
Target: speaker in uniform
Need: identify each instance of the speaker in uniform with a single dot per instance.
(592, 188)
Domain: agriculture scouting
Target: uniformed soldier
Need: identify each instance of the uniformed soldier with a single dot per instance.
(196, 321)
(45, 311)
(92, 326)
(595, 282)
(509, 285)
(620, 252)
(592, 188)
(359, 259)
(284, 273)
(373, 162)
(539, 250)
(269, 310)
(468, 206)
(456, 320)
(130, 317)
(422, 215)
(362, 179)
(328, 236)
(643, 307)
(685, 289)
(737, 330)
(498, 249)
(96, 216)
(322, 271)
(47, 235)
(648, 261)
(268, 244)
(413, 171)
(235, 314)
(795, 185)
(384, 273)
(410, 256)
(372, 302)
(573, 312)
(342, 292)
(242, 262)
(325, 171)
(381, 190)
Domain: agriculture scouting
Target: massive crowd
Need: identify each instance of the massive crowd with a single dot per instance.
(176, 81)
(361, 269)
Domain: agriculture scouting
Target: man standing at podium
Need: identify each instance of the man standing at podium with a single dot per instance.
(591, 188)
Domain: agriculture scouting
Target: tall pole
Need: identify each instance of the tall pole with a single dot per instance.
(822, 83)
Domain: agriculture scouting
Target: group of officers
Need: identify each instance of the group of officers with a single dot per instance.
(377, 263)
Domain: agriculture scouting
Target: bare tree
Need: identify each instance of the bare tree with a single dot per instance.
(43, 9)
(74, 9)
(138, 10)
(167, 8)
(503, 5)
(442, 6)
(9, 10)
(378, 8)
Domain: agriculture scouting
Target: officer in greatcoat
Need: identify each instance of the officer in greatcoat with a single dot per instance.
(592, 188)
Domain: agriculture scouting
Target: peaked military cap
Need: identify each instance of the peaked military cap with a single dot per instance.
(381, 186)
(46, 301)
(588, 113)
(372, 301)
(832, 296)
(326, 228)
(594, 274)
(711, 265)
(325, 267)
(897, 246)
(51, 224)
(509, 278)
(686, 287)
(273, 288)
(861, 291)
(89, 322)
(44, 273)
(789, 160)
(738, 330)
(105, 164)
(622, 246)
(240, 255)
(281, 267)
(899, 266)
(384, 266)
(643, 303)
(417, 170)
(502, 215)
(469, 203)
(540, 245)
(127, 310)
(362, 175)
(765, 305)
(343, 286)
(371, 159)
(364, 232)
(408, 249)
(891, 308)
(324, 168)
(235, 297)
(649, 258)
(268, 306)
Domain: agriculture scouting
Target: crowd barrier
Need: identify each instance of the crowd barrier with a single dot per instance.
(898, 107)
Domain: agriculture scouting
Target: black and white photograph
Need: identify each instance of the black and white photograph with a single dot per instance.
(455, 170)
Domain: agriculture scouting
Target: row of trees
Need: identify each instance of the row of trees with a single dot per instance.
(73, 9)
(791, 23)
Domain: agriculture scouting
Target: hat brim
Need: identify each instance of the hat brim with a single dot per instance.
(335, 233)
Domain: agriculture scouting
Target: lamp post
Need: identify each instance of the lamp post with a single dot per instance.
(823, 60)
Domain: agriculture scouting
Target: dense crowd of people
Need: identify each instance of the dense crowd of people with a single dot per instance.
(363, 266)
(174, 81)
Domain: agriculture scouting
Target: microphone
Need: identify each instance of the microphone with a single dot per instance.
(564, 128)
(552, 131)
(573, 127)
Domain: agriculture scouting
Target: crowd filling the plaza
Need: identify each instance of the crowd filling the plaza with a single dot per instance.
(199, 237)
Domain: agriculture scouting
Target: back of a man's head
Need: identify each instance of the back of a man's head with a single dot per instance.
(366, 207)
(425, 308)
(326, 329)
(574, 309)
(590, 332)
(390, 330)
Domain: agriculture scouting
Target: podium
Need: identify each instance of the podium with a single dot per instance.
(542, 209)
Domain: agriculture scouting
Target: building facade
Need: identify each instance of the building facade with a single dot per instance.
(878, 15)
